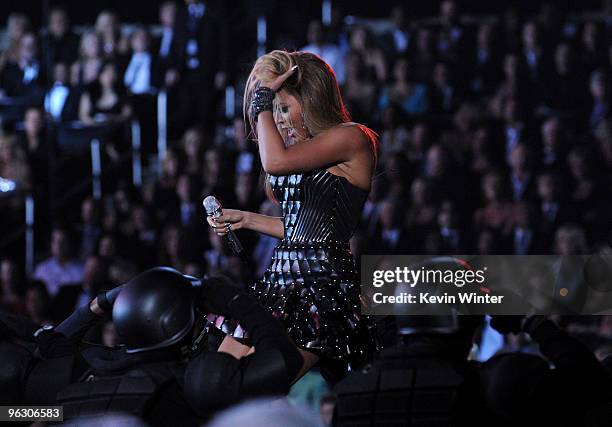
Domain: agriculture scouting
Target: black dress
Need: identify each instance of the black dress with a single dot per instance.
(312, 284)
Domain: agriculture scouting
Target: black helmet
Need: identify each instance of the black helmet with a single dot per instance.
(154, 310)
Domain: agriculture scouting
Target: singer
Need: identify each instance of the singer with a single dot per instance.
(319, 167)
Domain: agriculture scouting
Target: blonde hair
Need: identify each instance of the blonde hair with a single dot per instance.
(313, 84)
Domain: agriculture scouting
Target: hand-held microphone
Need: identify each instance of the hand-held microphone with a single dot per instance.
(213, 209)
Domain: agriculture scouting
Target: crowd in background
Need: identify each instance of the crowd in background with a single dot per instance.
(495, 138)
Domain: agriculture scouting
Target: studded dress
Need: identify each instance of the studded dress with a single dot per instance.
(312, 283)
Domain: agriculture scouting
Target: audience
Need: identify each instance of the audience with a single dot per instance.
(495, 138)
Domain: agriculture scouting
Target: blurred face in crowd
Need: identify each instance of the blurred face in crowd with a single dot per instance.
(546, 187)
(518, 158)
(172, 241)
(108, 76)
(491, 187)
(213, 161)
(424, 41)
(388, 214)
(598, 85)
(327, 413)
(440, 75)
(90, 46)
(530, 35)
(578, 164)
(170, 164)
(484, 36)
(33, 122)
(435, 161)
(93, 274)
(140, 40)
(510, 112)
(358, 39)
(240, 134)
(122, 201)
(27, 48)
(244, 184)
(569, 241)
(7, 150)
(480, 140)
(59, 245)
(215, 240)
(420, 135)
(485, 243)
(88, 211)
(511, 62)
(107, 247)
(140, 218)
(60, 73)
(590, 33)
(550, 132)
(58, 23)
(193, 269)
(563, 57)
(16, 26)
(183, 189)
(446, 216)
(400, 71)
(167, 13)
(35, 302)
(520, 214)
(448, 10)
(7, 272)
(192, 142)
(106, 24)
(353, 67)
(315, 33)
(419, 192)
(398, 17)
(288, 118)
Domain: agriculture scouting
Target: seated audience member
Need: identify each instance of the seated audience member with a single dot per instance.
(76, 295)
(12, 287)
(24, 78)
(61, 101)
(38, 303)
(59, 42)
(60, 268)
(87, 67)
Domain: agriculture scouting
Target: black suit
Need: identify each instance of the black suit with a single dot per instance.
(14, 83)
(64, 49)
(199, 50)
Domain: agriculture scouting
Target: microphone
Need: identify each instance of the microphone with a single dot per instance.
(213, 209)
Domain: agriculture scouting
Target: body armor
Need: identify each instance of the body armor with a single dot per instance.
(402, 389)
(132, 392)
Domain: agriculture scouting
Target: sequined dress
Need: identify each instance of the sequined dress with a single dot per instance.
(312, 283)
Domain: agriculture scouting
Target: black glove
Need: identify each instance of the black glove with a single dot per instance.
(13, 326)
(217, 292)
(106, 299)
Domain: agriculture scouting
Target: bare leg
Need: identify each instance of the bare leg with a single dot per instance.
(230, 346)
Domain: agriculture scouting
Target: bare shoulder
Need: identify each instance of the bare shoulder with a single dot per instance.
(354, 136)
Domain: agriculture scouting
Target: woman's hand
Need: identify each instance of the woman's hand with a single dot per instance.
(276, 84)
(233, 218)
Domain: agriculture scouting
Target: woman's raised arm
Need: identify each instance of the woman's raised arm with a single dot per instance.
(336, 145)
